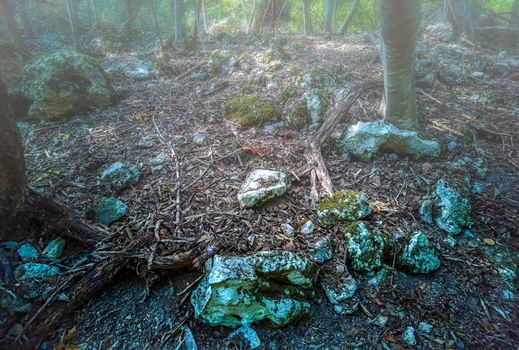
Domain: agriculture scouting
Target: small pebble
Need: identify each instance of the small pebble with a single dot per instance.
(287, 230)
(409, 337)
(199, 138)
(308, 228)
(425, 327)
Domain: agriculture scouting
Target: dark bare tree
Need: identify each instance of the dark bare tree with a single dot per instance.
(7, 10)
(349, 18)
(459, 14)
(180, 22)
(74, 23)
(307, 17)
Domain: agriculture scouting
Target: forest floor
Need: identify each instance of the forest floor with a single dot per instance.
(466, 300)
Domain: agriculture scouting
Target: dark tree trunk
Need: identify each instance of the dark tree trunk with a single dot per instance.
(26, 19)
(74, 22)
(268, 12)
(329, 9)
(459, 14)
(95, 14)
(13, 183)
(349, 18)
(307, 17)
(180, 22)
(7, 10)
(156, 27)
(513, 21)
(131, 8)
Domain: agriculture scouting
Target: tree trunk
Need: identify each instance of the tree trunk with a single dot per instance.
(400, 21)
(7, 10)
(13, 183)
(74, 22)
(180, 22)
(307, 17)
(513, 21)
(349, 18)
(95, 13)
(131, 7)
(329, 7)
(26, 20)
(155, 20)
(459, 14)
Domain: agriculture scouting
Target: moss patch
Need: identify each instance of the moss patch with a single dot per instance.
(344, 206)
(365, 248)
(249, 111)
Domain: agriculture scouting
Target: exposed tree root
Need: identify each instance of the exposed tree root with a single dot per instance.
(313, 153)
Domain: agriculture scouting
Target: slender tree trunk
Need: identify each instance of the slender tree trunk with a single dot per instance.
(95, 13)
(131, 7)
(74, 23)
(13, 183)
(197, 4)
(513, 20)
(307, 17)
(459, 14)
(398, 58)
(204, 16)
(349, 18)
(7, 10)
(155, 20)
(329, 7)
(26, 19)
(180, 22)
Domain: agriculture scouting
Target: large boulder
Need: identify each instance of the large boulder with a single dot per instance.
(63, 83)
(364, 139)
(270, 285)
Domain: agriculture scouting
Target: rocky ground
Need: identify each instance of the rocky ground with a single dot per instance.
(381, 284)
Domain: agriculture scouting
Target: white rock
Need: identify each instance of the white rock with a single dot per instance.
(408, 336)
(287, 230)
(199, 138)
(308, 228)
(425, 327)
(262, 186)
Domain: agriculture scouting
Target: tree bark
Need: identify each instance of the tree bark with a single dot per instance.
(329, 7)
(74, 23)
(7, 10)
(307, 17)
(131, 7)
(155, 20)
(13, 183)
(459, 14)
(513, 20)
(26, 20)
(95, 13)
(400, 21)
(349, 18)
(180, 22)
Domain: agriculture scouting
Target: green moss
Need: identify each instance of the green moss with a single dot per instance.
(344, 206)
(248, 110)
(318, 78)
(296, 115)
(287, 93)
(419, 256)
(365, 248)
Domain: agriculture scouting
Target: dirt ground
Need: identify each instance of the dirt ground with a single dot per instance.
(463, 300)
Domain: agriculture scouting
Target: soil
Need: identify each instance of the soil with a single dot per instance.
(463, 300)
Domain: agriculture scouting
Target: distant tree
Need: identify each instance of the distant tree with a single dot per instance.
(180, 21)
(307, 17)
(156, 27)
(400, 22)
(513, 20)
(74, 23)
(7, 10)
(95, 13)
(349, 18)
(459, 14)
(268, 12)
(329, 16)
(26, 20)
(132, 10)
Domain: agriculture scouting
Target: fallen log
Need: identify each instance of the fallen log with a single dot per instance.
(313, 152)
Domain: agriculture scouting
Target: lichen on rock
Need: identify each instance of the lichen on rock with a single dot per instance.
(270, 285)
(418, 255)
(262, 186)
(296, 114)
(249, 111)
(340, 291)
(365, 248)
(63, 83)
(364, 139)
(119, 175)
(344, 206)
(108, 210)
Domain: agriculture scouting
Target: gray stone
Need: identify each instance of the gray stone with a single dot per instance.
(199, 138)
(119, 175)
(269, 285)
(380, 320)
(145, 142)
(108, 210)
(287, 230)
(381, 278)
(365, 248)
(425, 327)
(340, 291)
(54, 249)
(366, 138)
(316, 104)
(447, 207)
(27, 252)
(262, 186)
(189, 342)
(409, 336)
(344, 206)
(418, 255)
(308, 228)
(323, 250)
(246, 337)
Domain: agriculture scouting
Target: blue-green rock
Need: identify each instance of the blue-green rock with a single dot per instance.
(365, 248)
(340, 291)
(119, 175)
(344, 206)
(418, 255)
(27, 252)
(108, 210)
(54, 249)
(269, 285)
(63, 83)
(10, 303)
(364, 139)
(246, 336)
(381, 278)
(34, 278)
(323, 250)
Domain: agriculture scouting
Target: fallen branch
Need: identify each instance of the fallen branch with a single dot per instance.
(313, 153)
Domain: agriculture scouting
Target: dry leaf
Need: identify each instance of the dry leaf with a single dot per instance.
(489, 241)
(141, 116)
(253, 150)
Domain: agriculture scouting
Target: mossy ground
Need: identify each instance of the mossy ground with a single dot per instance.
(249, 111)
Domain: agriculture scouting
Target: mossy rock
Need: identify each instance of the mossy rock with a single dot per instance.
(63, 83)
(317, 103)
(344, 206)
(419, 256)
(249, 111)
(11, 63)
(365, 248)
(318, 78)
(296, 114)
